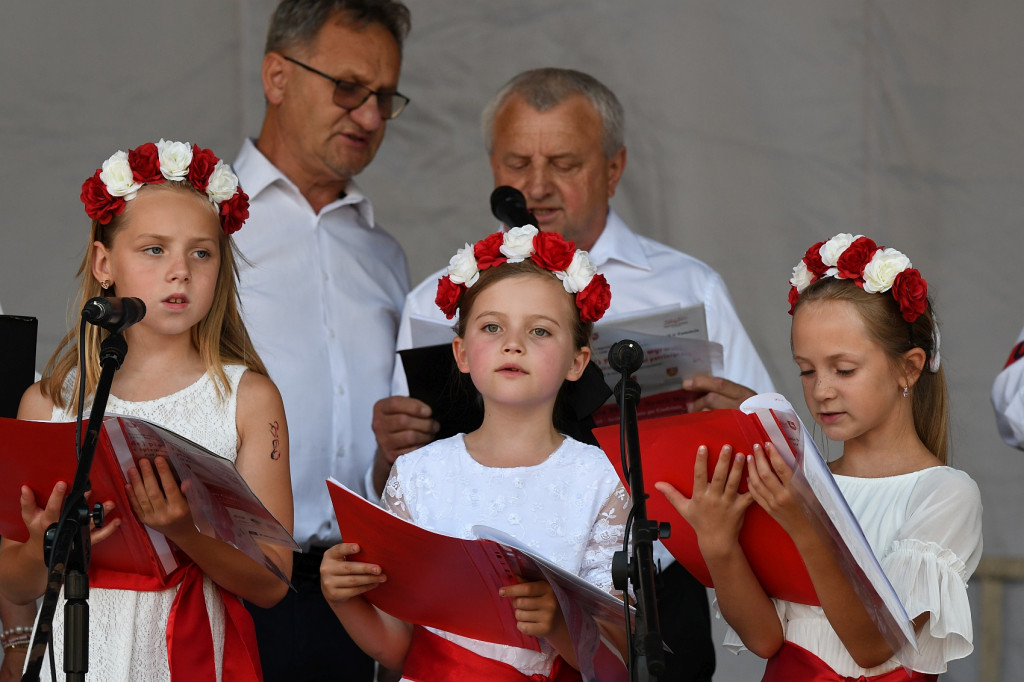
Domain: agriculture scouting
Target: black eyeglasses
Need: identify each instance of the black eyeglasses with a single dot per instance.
(349, 96)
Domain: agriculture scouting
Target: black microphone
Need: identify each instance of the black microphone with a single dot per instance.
(509, 206)
(113, 314)
(626, 356)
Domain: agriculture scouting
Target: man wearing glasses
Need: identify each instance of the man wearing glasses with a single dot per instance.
(323, 287)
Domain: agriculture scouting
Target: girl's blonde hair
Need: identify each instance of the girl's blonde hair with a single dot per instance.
(220, 337)
(886, 325)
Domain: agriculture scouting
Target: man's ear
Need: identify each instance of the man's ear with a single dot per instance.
(616, 166)
(274, 73)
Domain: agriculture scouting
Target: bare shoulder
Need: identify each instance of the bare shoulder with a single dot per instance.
(35, 405)
(257, 392)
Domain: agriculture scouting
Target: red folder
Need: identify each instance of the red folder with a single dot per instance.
(433, 579)
(39, 454)
(668, 447)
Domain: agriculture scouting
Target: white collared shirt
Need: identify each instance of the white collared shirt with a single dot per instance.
(321, 297)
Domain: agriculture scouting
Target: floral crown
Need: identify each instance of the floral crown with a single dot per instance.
(548, 250)
(873, 268)
(123, 175)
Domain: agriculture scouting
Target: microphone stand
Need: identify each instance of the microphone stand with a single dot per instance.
(647, 658)
(67, 543)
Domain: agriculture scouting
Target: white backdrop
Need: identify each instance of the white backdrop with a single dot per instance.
(753, 129)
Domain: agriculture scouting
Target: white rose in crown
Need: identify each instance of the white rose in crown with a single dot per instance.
(117, 176)
(832, 249)
(882, 269)
(517, 245)
(222, 184)
(175, 158)
(462, 267)
(579, 273)
(802, 277)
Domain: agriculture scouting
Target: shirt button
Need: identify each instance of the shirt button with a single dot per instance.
(341, 390)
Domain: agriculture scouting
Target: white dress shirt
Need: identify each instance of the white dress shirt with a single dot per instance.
(321, 296)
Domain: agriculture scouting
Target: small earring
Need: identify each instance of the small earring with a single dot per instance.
(105, 284)
(906, 391)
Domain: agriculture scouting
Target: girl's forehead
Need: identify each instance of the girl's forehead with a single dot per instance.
(174, 212)
(830, 324)
(525, 292)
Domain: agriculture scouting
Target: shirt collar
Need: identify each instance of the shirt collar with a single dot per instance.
(260, 173)
(618, 242)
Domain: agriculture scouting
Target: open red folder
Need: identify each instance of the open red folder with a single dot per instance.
(668, 447)
(452, 584)
(433, 579)
(39, 454)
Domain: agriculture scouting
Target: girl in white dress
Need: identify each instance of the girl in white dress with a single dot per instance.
(865, 339)
(526, 302)
(162, 216)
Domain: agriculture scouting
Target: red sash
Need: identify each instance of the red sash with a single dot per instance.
(435, 659)
(793, 663)
(189, 638)
(1016, 354)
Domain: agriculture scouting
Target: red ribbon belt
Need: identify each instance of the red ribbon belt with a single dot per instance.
(189, 638)
(435, 659)
(795, 664)
(1016, 354)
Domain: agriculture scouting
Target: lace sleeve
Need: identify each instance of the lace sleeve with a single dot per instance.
(394, 497)
(605, 539)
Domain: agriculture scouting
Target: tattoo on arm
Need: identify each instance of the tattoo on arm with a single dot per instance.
(275, 434)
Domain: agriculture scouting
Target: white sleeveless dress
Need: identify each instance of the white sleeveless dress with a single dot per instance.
(127, 629)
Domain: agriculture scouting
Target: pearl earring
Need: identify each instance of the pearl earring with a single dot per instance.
(906, 391)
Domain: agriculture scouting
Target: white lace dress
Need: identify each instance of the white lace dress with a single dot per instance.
(570, 509)
(127, 628)
(925, 529)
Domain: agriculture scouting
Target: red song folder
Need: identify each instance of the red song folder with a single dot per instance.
(39, 454)
(668, 447)
(451, 583)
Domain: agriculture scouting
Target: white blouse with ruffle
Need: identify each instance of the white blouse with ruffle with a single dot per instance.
(925, 529)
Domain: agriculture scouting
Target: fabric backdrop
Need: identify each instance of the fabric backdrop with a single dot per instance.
(753, 130)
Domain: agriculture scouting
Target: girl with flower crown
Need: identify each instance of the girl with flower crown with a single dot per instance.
(526, 303)
(162, 215)
(866, 342)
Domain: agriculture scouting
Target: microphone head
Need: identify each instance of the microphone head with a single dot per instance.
(96, 308)
(626, 356)
(509, 206)
(113, 314)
